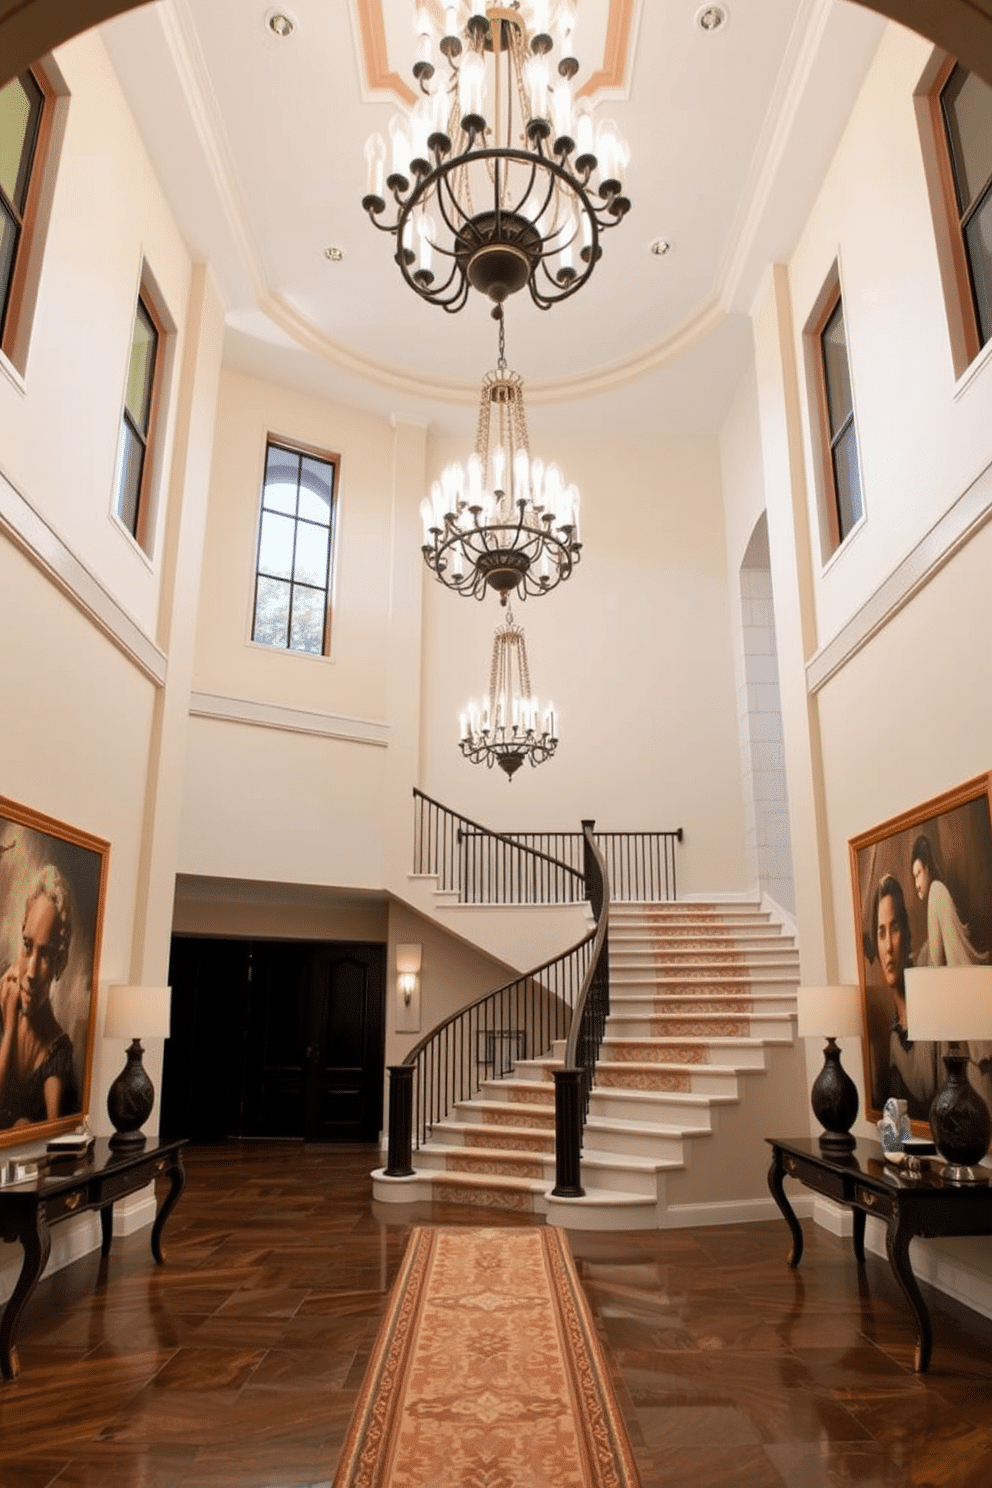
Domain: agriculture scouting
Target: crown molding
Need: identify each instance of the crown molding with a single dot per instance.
(257, 714)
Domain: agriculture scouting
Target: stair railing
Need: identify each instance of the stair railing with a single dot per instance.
(486, 867)
(574, 1081)
(485, 1039)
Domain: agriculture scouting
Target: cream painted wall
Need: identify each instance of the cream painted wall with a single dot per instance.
(922, 437)
(61, 422)
(635, 652)
(352, 681)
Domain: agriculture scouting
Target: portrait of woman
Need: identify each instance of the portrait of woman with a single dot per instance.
(37, 1079)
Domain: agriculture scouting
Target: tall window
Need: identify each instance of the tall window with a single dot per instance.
(292, 577)
(130, 485)
(841, 439)
(22, 103)
(966, 108)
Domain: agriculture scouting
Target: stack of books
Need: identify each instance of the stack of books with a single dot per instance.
(71, 1144)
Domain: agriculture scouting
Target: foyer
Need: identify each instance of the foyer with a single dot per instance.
(237, 1363)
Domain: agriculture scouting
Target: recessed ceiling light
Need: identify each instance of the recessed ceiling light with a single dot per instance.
(712, 17)
(280, 23)
(660, 247)
(334, 253)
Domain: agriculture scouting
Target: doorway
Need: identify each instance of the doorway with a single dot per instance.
(275, 1038)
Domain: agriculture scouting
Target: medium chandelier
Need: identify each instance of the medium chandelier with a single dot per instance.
(501, 521)
(503, 728)
(499, 177)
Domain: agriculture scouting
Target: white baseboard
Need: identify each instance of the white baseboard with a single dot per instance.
(733, 1211)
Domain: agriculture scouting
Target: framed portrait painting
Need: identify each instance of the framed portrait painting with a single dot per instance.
(53, 882)
(922, 897)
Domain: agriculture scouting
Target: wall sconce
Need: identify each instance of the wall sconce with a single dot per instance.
(408, 959)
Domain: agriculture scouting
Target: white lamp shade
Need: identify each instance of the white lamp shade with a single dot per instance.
(408, 958)
(830, 1012)
(138, 1012)
(944, 1003)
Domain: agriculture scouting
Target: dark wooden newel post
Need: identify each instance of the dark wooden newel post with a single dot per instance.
(399, 1154)
(569, 1097)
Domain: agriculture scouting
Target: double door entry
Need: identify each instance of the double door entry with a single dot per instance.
(275, 1038)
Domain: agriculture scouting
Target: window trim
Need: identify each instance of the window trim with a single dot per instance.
(26, 275)
(823, 440)
(952, 254)
(298, 447)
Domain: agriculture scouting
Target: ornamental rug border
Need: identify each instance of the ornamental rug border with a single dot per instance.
(487, 1372)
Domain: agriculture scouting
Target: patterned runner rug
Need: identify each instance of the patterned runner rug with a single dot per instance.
(487, 1373)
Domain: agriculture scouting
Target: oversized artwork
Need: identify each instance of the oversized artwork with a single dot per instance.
(922, 897)
(52, 888)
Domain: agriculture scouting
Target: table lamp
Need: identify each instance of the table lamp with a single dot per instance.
(832, 1012)
(134, 1013)
(952, 1004)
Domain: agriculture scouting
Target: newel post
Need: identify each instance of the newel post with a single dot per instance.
(399, 1153)
(569, 1099)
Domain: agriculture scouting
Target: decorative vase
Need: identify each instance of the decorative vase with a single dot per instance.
(834, 1098)
(130, 1100)
(961, 1124)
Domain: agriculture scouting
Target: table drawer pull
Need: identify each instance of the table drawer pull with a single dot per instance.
(73, 1201)
(791, 1166)
(868, 1199)
(160, 1165)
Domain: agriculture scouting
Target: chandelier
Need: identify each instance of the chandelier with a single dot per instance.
(499, 177)
(503, 729)
(501, 521)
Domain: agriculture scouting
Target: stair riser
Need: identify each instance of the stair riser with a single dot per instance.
(764, 1006)
(702, 1056)
(697, 1082)
(775, 1030)
(650, 1107)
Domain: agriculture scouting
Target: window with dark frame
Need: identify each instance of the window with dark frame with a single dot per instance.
(292, 576)
(22, 104)
(132, 450)
(966, 110)
(842, 438)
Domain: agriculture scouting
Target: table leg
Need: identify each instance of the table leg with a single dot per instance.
(106, 1229)
(859, 1236)
(776, 1176)
(177, 1182)
(36, 1242)
(897, 1238)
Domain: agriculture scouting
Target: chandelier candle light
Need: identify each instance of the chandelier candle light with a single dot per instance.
(499, 177)
(502, 521)
(503, 729)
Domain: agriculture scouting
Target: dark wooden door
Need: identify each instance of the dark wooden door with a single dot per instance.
(296, 1035)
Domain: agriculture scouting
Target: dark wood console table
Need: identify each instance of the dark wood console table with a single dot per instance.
(28, 1210)
(866, 1184)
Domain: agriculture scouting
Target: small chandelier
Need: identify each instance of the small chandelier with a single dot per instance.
(501, 521)
(503, 729)
(497, 172)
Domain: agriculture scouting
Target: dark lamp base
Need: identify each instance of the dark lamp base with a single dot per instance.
(834, 1098)
(960, 1123)
(130, 1100)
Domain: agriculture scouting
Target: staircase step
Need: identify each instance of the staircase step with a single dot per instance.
(694, 1079)
(505, 1113)
(739, 1053)
(657, 1107)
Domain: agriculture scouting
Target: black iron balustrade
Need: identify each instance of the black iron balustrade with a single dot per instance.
(487, 867)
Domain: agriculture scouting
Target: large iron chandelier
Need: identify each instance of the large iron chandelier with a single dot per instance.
(499, 177)
(503, 728)
(501, 521)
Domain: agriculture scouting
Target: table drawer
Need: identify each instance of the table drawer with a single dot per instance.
(874, 1203)
(114, 1185)
(59, 1206)
(832, 1185)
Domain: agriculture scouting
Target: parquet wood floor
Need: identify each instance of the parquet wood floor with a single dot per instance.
(236, 1365)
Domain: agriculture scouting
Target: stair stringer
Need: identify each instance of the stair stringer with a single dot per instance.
(521, 936)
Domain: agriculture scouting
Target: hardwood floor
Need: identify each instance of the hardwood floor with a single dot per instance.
(238, 1362)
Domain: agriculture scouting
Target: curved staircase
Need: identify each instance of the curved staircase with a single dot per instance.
(698, 1064)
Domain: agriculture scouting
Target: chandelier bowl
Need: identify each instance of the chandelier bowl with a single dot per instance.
(518, 199)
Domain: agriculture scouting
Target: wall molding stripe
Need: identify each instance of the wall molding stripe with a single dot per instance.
(936, 548)
(227, 709)
(41, 545)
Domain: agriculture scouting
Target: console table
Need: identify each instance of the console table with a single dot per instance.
(911, 1206)
(73, 1185)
